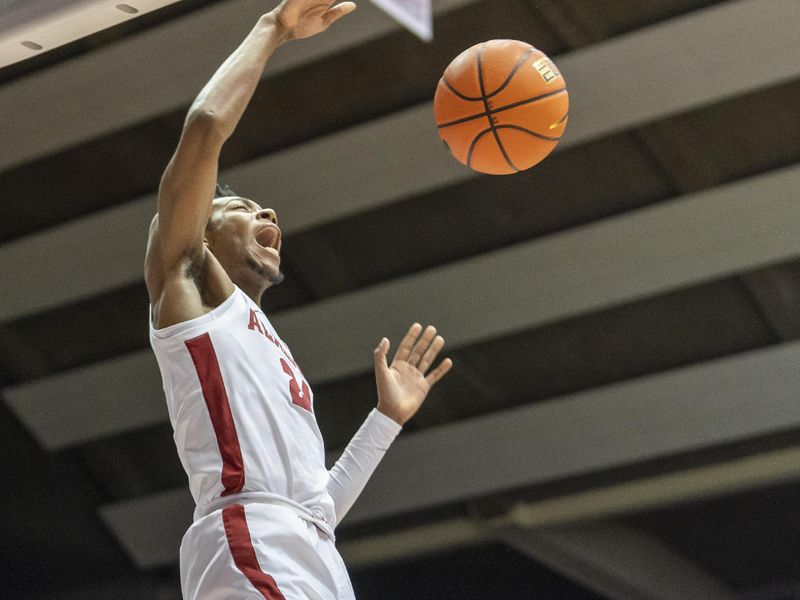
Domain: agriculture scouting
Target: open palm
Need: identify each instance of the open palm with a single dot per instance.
(403, 384)
(304, 18)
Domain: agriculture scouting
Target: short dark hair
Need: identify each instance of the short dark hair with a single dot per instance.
(222, 190)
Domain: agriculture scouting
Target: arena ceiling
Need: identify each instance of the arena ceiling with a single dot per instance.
(622, 421)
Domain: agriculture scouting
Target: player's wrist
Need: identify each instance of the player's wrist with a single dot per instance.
(392, 414)
(273, 21)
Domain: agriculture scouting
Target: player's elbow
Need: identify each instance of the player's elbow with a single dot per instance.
(205, 125)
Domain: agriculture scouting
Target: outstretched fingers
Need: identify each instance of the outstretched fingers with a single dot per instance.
(439, 372)
(404, 349)
(430, 354)
(422, 345)
(420, 348)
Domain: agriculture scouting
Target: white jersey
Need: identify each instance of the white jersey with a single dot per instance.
(241, 410)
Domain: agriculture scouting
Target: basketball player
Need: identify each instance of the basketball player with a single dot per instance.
(239, 404)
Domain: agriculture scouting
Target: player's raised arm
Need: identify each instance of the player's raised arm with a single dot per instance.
(187, 185)
(403, 386)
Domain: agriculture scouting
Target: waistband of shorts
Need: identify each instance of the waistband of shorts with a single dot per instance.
(270, 499)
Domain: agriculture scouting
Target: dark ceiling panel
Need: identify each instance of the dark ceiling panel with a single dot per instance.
(602, 20)
(638, 338)
(744, 136)
(500, 503)
(750, 540)
(491, 572)
(131, 464)
(77, 181)
(71, 336)
(50, 533)
(635, 339)
(95, 329)
(776, 291)
(574, 187)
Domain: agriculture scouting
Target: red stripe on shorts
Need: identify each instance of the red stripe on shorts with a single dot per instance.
(219, 409)
(244, 555)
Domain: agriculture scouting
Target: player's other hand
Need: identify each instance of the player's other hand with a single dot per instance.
(403, 385)
(304, 18)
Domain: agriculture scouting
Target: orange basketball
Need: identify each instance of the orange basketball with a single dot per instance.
(501, 107)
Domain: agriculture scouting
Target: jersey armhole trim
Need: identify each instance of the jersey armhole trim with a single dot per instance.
(174, 331)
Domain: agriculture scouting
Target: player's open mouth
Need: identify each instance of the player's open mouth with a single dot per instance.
(269, 238)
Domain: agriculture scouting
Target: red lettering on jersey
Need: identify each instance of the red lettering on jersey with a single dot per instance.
(254, 323)
(301, 398)
(301, 394)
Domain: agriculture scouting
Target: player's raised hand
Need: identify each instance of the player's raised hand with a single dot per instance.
(403, 385)
(304, 18)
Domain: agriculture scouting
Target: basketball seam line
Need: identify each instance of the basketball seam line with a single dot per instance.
(516, 68)
(517, 127)
(501, 109)
(533, 133)
(488, 112)
(475, 143)
(503, 86)
(457, 93)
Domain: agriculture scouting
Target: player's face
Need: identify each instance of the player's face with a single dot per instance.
(245, 238)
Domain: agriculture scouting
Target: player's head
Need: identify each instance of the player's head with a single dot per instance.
(245, 239)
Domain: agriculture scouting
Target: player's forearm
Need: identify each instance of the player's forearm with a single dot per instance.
(359, 460)
(225, 97)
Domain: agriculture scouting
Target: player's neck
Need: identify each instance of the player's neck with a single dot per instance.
(252, 290)
(252, 283)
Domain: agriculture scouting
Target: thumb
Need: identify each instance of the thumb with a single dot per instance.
(381, 366)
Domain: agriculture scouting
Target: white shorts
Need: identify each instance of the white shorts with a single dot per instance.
(256, 551)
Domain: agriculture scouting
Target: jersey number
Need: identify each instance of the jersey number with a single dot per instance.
(301, 398)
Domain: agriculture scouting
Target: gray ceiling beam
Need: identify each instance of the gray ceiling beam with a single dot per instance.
(687, 409)
(667, 246)
(92, 402)
(154, 72)
(50, 25)
(741, 474)
(712, 403)
(134, 524)
(688, 240)
(617, 562)
(622, 83)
